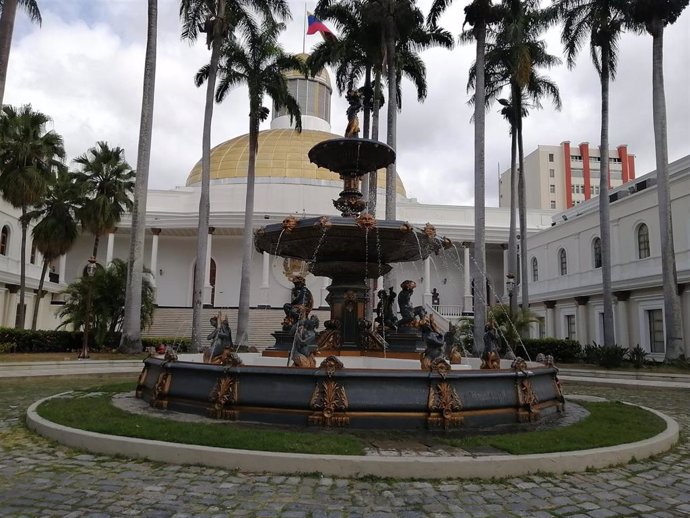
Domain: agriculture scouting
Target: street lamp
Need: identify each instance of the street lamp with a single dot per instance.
(89, 272)
(510, 286)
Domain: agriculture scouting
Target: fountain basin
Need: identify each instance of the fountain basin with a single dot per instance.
(352, 156)
(389, 395)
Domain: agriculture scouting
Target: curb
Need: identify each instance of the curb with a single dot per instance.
(417, 467)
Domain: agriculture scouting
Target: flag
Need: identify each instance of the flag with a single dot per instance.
(315, 25)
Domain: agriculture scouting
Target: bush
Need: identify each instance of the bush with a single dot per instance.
(638, 357)
(562, 350)
(610, 357)
(591, 354)
(182, 345)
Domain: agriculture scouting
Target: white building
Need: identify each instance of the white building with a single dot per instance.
(560, 177)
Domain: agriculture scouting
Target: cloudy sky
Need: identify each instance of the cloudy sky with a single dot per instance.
(84, 68)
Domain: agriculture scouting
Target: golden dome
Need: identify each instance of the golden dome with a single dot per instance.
(282, 154)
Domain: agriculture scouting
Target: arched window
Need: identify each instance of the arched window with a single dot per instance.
(596, 252)
(32, 256)
(642, 241)
(562, 262)
(535, 269)
(4, 240)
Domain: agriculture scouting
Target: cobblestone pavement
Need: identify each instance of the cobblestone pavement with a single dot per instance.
(39, 478)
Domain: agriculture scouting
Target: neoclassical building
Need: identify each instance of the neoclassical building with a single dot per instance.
(288, 184)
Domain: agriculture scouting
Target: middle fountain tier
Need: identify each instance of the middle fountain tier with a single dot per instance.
(350, 249)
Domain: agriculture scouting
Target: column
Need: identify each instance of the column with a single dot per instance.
(504, 298)
(427, 281)
(207, 273)
(581, 320)
(110, 248)
(265, 278)
(3, 306)
(685, 311)
(11, 307)
(550, 317)
(467, 302)
(62, 267)
(568, 175)
(327, 282)
(153, 264)
(621, 317)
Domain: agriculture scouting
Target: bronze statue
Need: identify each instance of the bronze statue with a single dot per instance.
(305, 343)
(220, 337)
(300, 305)
(353, 97)
(407, 311)
(385, 315)
(490, 356)
(434, 350)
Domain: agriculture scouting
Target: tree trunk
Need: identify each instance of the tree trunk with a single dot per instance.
(604, 218)
(204, 197)
(672, 309)
(39, 294)
(392, 117)
(479, 191)
(96, 240)
(131, 327)
(22, 275)
(522, 202)
(366, 126)
(247, 237)
(512, 236)
(9, 12)
(376, 110)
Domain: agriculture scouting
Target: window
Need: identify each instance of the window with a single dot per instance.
(591, 190)
(642, 241)
(550, 157)
(4, 240)
(596, 190)
(570, 332)
(572, 188)
(655, 318)
(32, 256)
(541, 321)
(552, 188)
(553, 204)
(535, 269)
(562, 262)
(596, 252)
(552, 173)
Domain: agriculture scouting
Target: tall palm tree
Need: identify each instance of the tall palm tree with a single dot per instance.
(479, 15)
(57, 229)
(29, 156)
(108, 183)
(602, 22)
(131, 329)
(218, 19)
(8, 12)
(256, 59)
(652, 16)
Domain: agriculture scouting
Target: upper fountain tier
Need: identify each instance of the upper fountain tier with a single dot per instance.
(352, 157)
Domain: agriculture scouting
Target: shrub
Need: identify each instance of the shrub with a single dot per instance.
(638, 357)
(591, 354)
(610, 357)
(182, 345)
(562, 350)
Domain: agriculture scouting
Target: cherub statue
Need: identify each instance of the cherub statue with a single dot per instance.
(353, 97)
(305, 343)
(490, 356)
(407, 311)
(300, 305)
(220, 337)
(385, 316)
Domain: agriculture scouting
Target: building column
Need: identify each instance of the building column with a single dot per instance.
(153, 264)
(207, 273)
(62, 268)
(685, 311)
(3, 306)
(427, 281)
(467, 302)
(327, 282)
(11, 306)
(265, 279)
(568, 172)
(581, 320)
(550, 318)
(506, 271)
(621, 327)
(110, 248)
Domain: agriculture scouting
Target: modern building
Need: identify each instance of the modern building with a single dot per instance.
(560, 177)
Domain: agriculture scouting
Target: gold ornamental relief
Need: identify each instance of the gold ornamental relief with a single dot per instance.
(444, 406)
(141, 381)
(293, 268)
(160, 390)
(329, 403)
(528, 401)
(223, 399)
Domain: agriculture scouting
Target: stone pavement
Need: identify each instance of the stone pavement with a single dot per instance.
(39, 478)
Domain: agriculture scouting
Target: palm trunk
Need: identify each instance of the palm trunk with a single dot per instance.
(373, 175)
(22, 275)
(96, 240)
(672, 308)
(366, 125)
(512, 236)
(479, 191)
(604, 218)
(39, 295)
(245, 281)
(392, 116)
(131, 327)
(204, 197)
(522, 209)
(9, 12)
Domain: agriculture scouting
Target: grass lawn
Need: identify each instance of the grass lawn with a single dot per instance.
(609, 423)
(59, 357)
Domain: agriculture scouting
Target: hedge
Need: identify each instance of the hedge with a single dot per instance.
(562, 350)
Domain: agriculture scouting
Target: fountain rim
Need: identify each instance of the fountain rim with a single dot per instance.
(335, 166)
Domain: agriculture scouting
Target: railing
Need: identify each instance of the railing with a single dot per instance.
(448, 311)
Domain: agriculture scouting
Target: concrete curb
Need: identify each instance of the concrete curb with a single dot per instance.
(418, 467)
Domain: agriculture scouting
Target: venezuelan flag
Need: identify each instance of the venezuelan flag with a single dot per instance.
(315, 25)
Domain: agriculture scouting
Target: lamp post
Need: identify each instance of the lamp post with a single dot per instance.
(510, 286)
(89, 272)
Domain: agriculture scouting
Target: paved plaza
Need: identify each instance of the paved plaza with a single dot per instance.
(40, 478)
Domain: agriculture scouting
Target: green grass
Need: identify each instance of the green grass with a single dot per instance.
(94, 412)
(608, 424)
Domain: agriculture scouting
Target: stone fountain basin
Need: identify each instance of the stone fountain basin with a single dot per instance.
(367, 393)
(352, 156)
(342, 240)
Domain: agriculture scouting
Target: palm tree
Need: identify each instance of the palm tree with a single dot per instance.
(652, 16)
(218, 19)
(131, 334)
(479, 15)
(256, 59)
(29, 156)
(8, 12)
(602, 22)
(57, 229)
(108, 182)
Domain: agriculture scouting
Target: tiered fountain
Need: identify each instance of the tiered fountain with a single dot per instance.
(354, 386)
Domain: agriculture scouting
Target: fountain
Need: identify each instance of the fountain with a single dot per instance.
(401, 374)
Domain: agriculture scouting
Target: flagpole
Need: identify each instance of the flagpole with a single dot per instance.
(304, 30)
